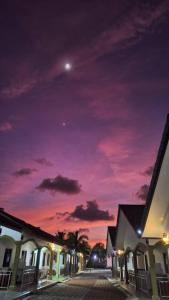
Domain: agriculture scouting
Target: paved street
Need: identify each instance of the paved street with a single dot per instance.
(86, 286)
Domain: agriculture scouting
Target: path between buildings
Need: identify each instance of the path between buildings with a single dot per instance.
(89, 285)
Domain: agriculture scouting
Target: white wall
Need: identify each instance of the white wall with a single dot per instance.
(16, 235)
(3, 245)
(29, 247)
(130, 264)
(159, 262)
(44, 250)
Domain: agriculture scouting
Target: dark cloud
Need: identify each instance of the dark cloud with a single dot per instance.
(142, 192)
(43, 161)
(90, 213)
(60, 184)
(84, 230)
(24, 172)
(148, 171)
(62, 215)
(51, 218)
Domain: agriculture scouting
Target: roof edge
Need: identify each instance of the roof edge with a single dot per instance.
(156, 171)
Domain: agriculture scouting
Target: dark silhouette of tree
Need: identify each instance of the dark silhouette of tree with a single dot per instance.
(77, 243)
(97, 256)
(60, 235)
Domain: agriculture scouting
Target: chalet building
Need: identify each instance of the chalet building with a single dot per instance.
(110, 246)
(155, 224)
(141, 247)
(131, 248)
(28, 254)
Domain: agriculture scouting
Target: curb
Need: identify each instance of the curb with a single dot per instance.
(36, 290)
(122, 288)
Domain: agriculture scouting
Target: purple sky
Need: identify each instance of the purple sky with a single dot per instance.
(74, 144)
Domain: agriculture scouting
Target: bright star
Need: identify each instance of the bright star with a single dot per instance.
(68, 66)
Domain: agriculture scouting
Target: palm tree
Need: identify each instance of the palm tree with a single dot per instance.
(60, 235)
(77, 244)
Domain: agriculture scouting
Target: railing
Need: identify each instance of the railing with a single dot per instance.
(163, 287)
(29, 276)
(141, 279)
(43, 274)
(132, 278)
(5, 278)
(143, 282)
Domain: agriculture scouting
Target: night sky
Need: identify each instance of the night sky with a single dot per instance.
(76, 143)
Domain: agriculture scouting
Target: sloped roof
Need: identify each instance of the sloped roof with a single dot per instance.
(156, 172)
(133, 213)
(13, 222)
(112, 233)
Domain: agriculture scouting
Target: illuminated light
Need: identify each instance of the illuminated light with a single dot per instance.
(68, 66)
(52, 246)
(139, 231)
(120, 252)
(95, 257)
(165, 238)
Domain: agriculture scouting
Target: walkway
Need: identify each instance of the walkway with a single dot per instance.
(86, 286)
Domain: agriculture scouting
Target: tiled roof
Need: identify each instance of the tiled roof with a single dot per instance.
(112, 232)
(156, 172)
(133, 213)
(13, 222)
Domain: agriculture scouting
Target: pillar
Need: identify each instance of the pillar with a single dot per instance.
(135, 267)
(58, 263)
(152, 270)
(121, 264)
(51, 264)
(65, 263)
(15, 264)
(37, 264)
(126, 270)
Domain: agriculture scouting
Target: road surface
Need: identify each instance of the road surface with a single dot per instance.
(88, 285)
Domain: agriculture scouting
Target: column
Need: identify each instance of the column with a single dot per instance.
(121, 264)
(126, 270)
(65, 263)
(37, 264)
(15, 264)
(58, 263)
(51, 264)
(135, 267)
(152, 270)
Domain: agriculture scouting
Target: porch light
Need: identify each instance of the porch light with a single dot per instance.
(120, 252)
(139, 231)
(165, 238)
(52, 246)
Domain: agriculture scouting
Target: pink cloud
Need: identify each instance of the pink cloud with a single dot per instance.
(6, 126)
(117, 147)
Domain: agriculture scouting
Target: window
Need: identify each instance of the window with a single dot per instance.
(7, 258)
(31, 263)
(43, 261)
(63, 259)
(165, 262)
(23, 256)
(146, 262)
(48, 259)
